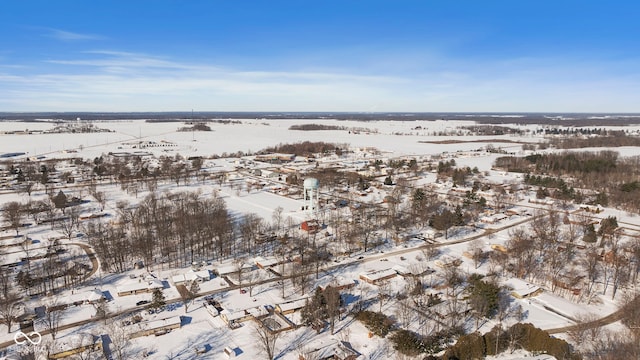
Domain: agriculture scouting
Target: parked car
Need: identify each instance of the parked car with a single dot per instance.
(142, 302)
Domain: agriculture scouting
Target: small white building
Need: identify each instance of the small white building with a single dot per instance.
(211, 309)
(377, 276)
(197, 276)
(231, 353)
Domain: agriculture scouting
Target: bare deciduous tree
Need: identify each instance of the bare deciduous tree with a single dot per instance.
(82, 341)
(13, 214)
(475, 249)
(277, 218)
(384, 289)
(252, 278)
(404, 312)
(120, 345)
(266, 339)
(52, 316)
(102, 310)
(191, 293)
(333, 301)
(68, 225)
(583, 332)
(10, 308)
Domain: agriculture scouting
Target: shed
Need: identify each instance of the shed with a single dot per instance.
(231, 353)
(310, 226)
(211, 309)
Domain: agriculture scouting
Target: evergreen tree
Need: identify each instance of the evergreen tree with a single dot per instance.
(157, 299)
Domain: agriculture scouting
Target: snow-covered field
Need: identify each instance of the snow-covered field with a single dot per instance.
(250, 136)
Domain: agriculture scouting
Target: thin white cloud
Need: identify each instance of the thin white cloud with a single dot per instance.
(64, 35)
(124, 60)
(122, 81)
(137, 64)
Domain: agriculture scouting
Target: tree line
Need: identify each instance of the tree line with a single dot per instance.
(613, 177)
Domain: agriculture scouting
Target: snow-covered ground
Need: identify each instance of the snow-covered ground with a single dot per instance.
(201, 330)
(250, 136)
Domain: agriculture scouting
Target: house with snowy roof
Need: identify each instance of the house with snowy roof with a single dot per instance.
(266, 262)
(291, 306)
(139, 287)
(190, 276)
(157, 327)
(375, 277)
(330, 350)
(522, 289)
(75, 344)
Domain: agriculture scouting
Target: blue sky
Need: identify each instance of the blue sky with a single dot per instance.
(347, 55)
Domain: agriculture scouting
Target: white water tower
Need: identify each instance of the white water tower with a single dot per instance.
(311, 195)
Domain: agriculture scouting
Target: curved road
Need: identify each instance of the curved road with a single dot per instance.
(92, 256)
(609, 319)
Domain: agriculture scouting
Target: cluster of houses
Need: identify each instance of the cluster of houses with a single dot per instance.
(149, 144)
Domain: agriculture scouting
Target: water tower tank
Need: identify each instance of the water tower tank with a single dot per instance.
(311, 183)
(311, 196)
